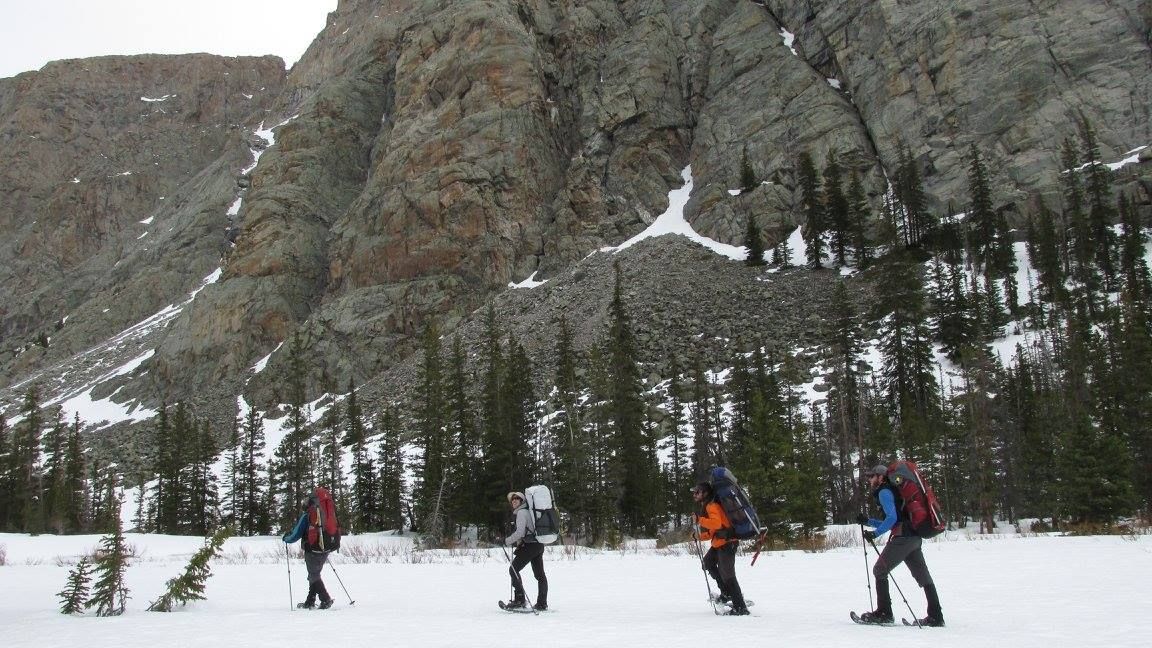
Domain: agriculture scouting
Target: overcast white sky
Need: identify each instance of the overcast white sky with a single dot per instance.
(33, 32)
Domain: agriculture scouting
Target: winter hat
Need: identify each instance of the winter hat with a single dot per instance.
(516, 494)
(878, 469)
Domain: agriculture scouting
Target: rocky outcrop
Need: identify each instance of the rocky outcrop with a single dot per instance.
(116, 175)
(429, 152)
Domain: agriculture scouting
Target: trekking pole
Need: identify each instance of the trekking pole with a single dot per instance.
(519, 580)
(341, 581)
(915, 621)
(867, 573)
(288, 561)
(700, 554)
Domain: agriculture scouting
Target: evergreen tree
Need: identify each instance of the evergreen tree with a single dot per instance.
(1044, 250)
(189, 586)
(754, 243)
(679, 470)
(293, 463)
(74, 510)
(24, 466)
(572, 469)
(844, 427)
(917, 224)
(466, 465)
(1099, 195)
(908, 373)
(837, 211)
(812, 209)
(390, 461)
(747, 175)
(55, 485)
(365, 507)
(253, 492)
(7, 505)
(75, 593)
(634, 472)
(202, 493)
(432, 437)
(983, 231)
(110, 593)
(233, 475)
(859, 215)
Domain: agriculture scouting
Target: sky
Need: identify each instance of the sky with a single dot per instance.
(1003, 590)
(33, 33)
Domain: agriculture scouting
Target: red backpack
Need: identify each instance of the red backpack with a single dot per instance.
(323, 529)
(921, 509)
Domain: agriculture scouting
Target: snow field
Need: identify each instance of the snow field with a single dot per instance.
(1022, 592)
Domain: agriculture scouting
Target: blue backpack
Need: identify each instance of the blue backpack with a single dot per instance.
(745, 522)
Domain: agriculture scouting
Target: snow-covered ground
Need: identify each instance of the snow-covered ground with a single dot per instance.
(1013, 591)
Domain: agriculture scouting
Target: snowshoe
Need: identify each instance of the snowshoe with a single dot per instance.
(735, 611)
(926, 622)
(872, 618)
(324, 605)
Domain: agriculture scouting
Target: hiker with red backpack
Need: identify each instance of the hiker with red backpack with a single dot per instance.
(720, 561)
(319, 535)
(911, 515)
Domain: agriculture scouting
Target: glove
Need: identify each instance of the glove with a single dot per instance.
(861, 519)
(869, 535)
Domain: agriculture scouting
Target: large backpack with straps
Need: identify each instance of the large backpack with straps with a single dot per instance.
(741, 514)
(323, 529)
(922, 511)
(542, 507)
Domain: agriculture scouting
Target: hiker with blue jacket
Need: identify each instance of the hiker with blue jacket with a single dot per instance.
(903, 546)
(315, 555)
(527, 550)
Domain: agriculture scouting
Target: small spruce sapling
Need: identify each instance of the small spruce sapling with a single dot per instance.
(189, 586)
(110, 594)
(74, 595)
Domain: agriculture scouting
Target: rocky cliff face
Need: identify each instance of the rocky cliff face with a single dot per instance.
(431, 151)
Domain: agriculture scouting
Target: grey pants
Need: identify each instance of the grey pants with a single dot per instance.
(314, 562)
(903, 549)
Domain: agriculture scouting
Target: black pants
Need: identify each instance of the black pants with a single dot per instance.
(529, 552)
(721, 566)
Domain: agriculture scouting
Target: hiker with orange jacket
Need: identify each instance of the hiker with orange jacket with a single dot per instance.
(720, 561)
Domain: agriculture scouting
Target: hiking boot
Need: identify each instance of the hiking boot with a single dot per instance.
(931, 621)
(878, 617)
(540, 607)
(515, 604)
(324, 605)
(306, 605)
(737, 611)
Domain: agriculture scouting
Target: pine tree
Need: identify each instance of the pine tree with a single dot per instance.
(1099, 194)
(110, 593)
(844, 426)
(294, 463)
(754, 243)
(572, 469)
(679, 478)
(432, 437)
(917, 222)
(365, 491)
(859, 215)
(837, 211)
(466, 465)
(25, 465)
(252, 485)
(7, 505)
(634, 474)
(230, 497)
(75, 593)
(908, 373)
(747, 175)
(55, 485)
(189, 586)
(74, 510)
(390, 462)
(812, 209)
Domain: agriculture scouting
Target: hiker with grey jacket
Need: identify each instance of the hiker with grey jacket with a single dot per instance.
(527, 550)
